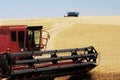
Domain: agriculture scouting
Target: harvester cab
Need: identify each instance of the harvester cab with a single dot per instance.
(19, 38)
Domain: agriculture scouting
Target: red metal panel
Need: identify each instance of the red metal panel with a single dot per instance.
(5, 37)
(14, 47)
(4, 43)
(15, 44)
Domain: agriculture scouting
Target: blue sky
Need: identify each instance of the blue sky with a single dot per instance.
(57, 8)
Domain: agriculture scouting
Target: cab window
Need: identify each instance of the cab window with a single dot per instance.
(21, 38)
(13, 35)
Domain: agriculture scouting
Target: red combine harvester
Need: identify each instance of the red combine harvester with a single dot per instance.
(23, 55)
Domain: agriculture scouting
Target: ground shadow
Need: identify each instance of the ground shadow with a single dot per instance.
(96, 76)
(83, 76)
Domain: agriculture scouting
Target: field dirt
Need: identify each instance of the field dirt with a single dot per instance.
(101, 32)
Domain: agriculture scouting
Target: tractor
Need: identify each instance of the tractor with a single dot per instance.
(23, 55)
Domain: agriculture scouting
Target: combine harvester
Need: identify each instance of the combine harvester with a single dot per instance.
(23, 55)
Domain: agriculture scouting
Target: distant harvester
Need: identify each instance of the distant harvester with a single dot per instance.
(71, 14)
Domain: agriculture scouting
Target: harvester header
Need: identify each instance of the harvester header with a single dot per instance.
(77, 60)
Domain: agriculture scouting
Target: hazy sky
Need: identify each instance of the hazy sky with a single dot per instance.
(57, 8)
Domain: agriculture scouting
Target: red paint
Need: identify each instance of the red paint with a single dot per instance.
(42, 65)
(5, 38)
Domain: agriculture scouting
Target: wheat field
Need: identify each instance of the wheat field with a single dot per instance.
(102, 32)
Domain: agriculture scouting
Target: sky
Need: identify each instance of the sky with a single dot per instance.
(57, 8)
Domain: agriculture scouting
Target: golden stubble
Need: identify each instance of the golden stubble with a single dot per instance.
(105, 38)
